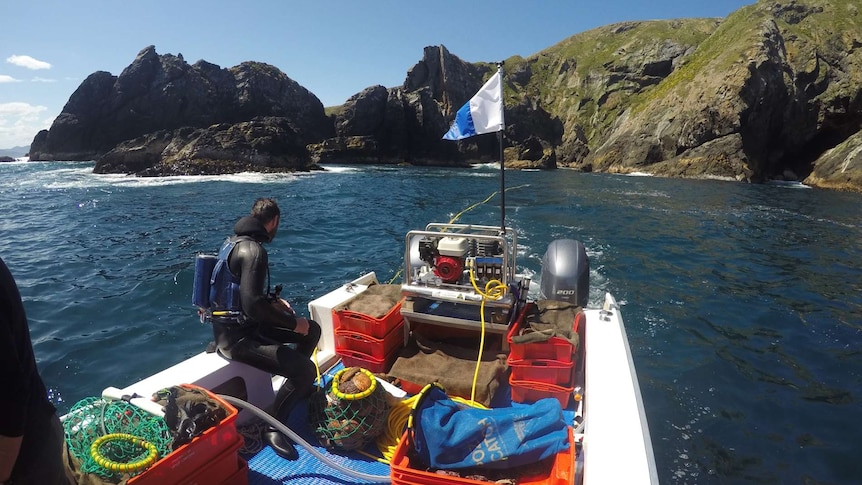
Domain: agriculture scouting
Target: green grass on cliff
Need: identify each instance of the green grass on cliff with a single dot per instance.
(586, 79)
(715, 54)
(571, 78)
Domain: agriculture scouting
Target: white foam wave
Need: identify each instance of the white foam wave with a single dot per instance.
(641, 193)
(84, 178)
(341, 168)
(790, 184)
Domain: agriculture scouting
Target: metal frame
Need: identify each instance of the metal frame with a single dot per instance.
(458, 294)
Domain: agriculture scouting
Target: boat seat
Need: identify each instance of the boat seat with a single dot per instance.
(216, 373)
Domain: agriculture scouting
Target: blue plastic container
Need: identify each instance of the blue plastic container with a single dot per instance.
(204, 264)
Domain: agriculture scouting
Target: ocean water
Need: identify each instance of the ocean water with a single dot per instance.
(742, 303)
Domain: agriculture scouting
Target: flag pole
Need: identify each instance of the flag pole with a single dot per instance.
(500, 144)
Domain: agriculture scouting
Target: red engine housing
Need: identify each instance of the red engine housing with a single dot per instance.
(448, 268)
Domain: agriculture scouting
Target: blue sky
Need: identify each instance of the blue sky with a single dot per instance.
(333, 48)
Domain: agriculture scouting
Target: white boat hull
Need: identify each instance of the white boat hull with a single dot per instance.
(617, 445)
(616, 440)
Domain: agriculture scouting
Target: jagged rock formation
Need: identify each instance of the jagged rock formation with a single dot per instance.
(838, 167)
(403, 124)
(260, 145)
(756, 96)
(772, 91)
(163, 92)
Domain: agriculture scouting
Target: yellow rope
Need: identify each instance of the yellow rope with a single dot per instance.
(494, 290)
(399, 416)
(317, 367)
(130, 467)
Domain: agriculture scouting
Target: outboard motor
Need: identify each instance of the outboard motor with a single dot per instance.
(566, 272)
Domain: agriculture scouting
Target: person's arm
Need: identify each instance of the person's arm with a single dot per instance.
(253, 262)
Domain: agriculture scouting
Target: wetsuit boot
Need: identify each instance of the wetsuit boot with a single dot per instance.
(285, 401)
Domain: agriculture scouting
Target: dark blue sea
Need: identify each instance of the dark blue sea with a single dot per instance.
(742, 303)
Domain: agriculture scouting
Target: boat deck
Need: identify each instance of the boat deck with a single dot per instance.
(267, 468)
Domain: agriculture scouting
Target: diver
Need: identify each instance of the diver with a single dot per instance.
(254, 325)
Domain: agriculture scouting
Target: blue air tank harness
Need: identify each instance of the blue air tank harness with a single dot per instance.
(216, 290)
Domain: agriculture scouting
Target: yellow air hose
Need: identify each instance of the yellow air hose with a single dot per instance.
(399, 413)
(494, 290)
(399, 417)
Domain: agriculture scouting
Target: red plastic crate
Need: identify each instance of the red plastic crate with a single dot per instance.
(366, 324)
(351, 358)
(555, 348)
(532, 391)
(562, 472)
(240, 476)
(545, 371)
(218, 469)
(378, 348)
(198, 453)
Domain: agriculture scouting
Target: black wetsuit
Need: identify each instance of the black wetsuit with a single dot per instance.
(24, 405)
(262, 339)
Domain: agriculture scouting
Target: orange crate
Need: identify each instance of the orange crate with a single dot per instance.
(198, 453)
(365, 324)
(532, 391)
(562, 472)
(555, 348)
(351, 358)
(545, 371)
(378, 348)
(218, 469)
(239, 477)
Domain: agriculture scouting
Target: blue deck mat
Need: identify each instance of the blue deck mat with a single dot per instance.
(267, 468)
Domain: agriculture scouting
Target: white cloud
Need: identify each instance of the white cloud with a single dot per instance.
(19, 123)
(43, 80)
(28, 62)
(7, 79)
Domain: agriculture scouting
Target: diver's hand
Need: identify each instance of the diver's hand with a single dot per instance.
(285, 306)
(301, 326)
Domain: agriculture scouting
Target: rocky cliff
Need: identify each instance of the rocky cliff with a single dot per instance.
(163, 93)
(769, 92)
(772, 91)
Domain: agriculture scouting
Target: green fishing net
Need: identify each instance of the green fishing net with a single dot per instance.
(352, 413)
(126, 438)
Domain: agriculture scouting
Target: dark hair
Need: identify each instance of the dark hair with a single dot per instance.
(265, 210)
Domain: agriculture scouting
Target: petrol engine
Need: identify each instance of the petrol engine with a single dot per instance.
(452, 258)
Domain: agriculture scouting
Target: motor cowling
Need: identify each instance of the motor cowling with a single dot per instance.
(565, 272)
(448, 268)
(449, 261)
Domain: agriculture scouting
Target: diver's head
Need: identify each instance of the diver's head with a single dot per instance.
(267, 212)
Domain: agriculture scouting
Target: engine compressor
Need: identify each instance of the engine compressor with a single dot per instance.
(452, 258)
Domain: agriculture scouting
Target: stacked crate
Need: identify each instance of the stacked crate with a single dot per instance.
(545, 368)
(366, 340)
(209, 458)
